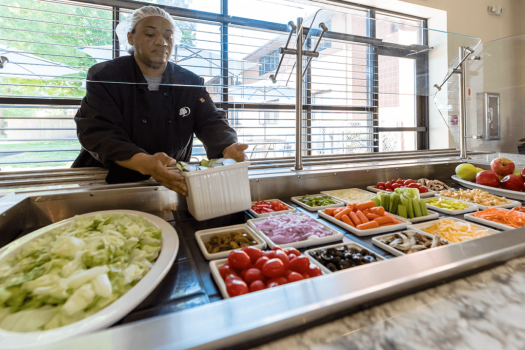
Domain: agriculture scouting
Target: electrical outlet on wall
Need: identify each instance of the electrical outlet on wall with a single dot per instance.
(496, 10)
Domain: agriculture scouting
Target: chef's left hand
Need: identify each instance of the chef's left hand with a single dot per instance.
(236, 151)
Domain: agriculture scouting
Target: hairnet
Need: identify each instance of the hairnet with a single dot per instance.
(128, 25)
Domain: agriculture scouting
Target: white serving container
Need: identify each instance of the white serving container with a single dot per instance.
(471, 207)
(346, 201)
(218, 191)
(347, 244)
(511, 203)
(394, 251)
(421, 195)
(431, 216)
(253, 213)
(492, 190)
(485, 222)
(424, 225)
(204, 236)
(339, 203)
(336, 235)
(373, 231)
(112, 313)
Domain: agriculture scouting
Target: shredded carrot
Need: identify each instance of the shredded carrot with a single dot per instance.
(510, 218)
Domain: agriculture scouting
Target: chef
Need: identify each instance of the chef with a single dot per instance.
(140, 111)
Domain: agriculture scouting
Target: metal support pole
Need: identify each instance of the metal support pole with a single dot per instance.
(299, 98)
(116, 21)
(462, 105)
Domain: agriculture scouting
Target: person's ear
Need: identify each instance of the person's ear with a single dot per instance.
(130, 38)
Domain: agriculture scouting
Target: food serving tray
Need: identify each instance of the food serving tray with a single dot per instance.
(471, 207)
(204, 236)
(254, 214)
(347, 244)
(431, 216)
(339, 203)
(492, 190)
(336, 235)
(510, 204)
(486, 222)
(394, 251)
(346, 201)
(420, 227)
(110, 314)
(421, 195)
(373, 231)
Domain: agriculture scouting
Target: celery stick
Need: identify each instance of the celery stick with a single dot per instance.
(396, 204)
(387, 202)
(377, 201)
(417, 207)
(410, 209)
(402, 211)
(382, 196)
(392, 200)
(423, 205)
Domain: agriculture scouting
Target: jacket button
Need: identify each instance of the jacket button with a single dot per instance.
(168, 121)
(144, 121)
(166, 94)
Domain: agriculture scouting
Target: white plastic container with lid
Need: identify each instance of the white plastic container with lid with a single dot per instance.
(218, 191)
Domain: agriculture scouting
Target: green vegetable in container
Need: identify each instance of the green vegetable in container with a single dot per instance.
(317, 201)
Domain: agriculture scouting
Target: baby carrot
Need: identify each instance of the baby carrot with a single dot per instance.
(379, 211)
(351, 206)
(354, 218)
(362, 217)
(384, 220)
(366, 205)
(368, 225)
(371, 216)
(329, 211)
(339, 215)
(347, 220)
(338, 210)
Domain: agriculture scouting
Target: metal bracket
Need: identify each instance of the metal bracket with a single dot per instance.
(293, 28)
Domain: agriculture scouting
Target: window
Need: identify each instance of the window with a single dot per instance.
(268, 117)
(269, 62)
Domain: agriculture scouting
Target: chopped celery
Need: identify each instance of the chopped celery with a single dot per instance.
(423, 205)
(402, 211)
(417, 207)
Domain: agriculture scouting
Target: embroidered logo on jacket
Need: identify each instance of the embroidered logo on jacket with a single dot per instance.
(184, 111)
(202, 100)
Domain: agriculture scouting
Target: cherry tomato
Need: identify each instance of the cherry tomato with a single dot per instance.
(389, 190)
(238, 259)
(314, 271)
(269, 253)
(260, 262)
(276, 248)
(279, 254)
(400, 181)
(279, 280)
(257, 285)
(408, 182)
(305, 275)
(253, 274)
(381, 188)
(287, 272)
(413, 185)
(291, 257)
(423, 189)
(294, 277)
(243, 273)
(381, 184)
(225, 270)
(253, 253)
(236, 287)
(389, 183)
(388, 186)
(396, 185)
(273, 284)
(274, 268)
(232, 277)
(293, 251)
(300, 264)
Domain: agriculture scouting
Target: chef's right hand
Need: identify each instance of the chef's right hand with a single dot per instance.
(158, 170)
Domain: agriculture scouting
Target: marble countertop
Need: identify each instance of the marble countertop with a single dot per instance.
(481, 311)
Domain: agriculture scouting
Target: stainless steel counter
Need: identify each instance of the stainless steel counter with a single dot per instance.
(193, 314)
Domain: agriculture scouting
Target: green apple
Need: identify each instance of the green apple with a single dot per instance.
(466, 171)
(517, 172)
(478, 170)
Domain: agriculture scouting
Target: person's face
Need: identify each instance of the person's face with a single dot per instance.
(152, 38)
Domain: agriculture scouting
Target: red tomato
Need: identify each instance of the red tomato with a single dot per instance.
(238, 259)
(236, 287)
(293, 251)
(396, 185)
(257, 285)
(381, 184)
(400, 181)
(243, 273)
(273, 268)
(412, 185)
(225, 270)
(260, 262)
(305, 275)
(408, 182)
(232, 277)
(389, 190)
(291, 257)
(276, 248)
(294, 277)
(279, 280)
(253, 253)
(314, 271)
(269, 253)
(253, 274)
(283, 257)
(381, 188)
(287, 272)
(273, 284)
(423, 189)
(300, 264)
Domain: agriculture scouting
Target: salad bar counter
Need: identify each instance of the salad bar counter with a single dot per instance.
(344, 248)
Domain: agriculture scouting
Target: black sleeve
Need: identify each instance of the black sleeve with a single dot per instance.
(211, 125)
(100, 130)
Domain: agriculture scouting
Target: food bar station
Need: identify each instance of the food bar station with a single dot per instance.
(308, 241)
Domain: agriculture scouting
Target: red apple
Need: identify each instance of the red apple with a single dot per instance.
(523, 174)
(502, 166)
(487, 178)
(513, 183)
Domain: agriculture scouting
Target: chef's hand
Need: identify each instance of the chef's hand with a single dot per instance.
(236, 151)
(156, 166)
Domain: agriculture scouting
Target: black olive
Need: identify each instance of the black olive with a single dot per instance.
(353, 251)
(314, 255)
(322, 251)
(347, 256)
(344, 265)
(336, 259)
(357, 256)
(364, 252)
(331, 267)
(367, 259)
(327, 257)
(332, 251)
(339, 254)
(341, 250)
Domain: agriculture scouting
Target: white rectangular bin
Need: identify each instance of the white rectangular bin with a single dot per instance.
(218, 191)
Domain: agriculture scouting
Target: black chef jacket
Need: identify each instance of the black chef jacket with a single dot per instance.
(119, 118)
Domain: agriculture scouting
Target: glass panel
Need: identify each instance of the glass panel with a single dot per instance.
(270, 11)
(399, 30)
(397, 141)
(200, 5)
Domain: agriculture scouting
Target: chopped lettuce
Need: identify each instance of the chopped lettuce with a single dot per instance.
(74, 271)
